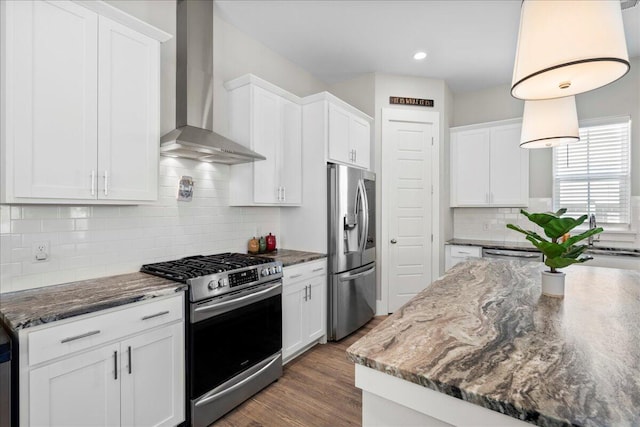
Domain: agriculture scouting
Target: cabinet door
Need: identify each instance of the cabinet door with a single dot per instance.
(470, 168)
(52, 96)
(293, 327)
(339, 146)
(290, 165)
(265, 135)
(82, 390)
(360, 141)
(153, 378)
(315, 308)
(509, 168)
(128, 113)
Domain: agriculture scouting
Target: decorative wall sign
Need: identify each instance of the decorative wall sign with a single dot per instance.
(418, 102)
(185, 189)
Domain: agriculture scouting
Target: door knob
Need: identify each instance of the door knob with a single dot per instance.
(394, 241)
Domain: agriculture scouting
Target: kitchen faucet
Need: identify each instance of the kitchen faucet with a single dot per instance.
(592, 225)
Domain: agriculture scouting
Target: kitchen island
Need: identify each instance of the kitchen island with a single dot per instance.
(481, 346)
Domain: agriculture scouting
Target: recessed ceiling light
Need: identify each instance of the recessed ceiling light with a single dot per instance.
(418, 56)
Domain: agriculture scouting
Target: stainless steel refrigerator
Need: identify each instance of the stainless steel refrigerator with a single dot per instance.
(352, 249)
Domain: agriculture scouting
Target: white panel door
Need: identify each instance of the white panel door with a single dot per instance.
(409, 147)
(290, 152)
(293, 324)
(315, 308)
(339, 145)
(82, 390)
(153, 378)
(509, 167)
(470, 168)
(265, 137)
(360, 141)
(128, 138)
(52, 73)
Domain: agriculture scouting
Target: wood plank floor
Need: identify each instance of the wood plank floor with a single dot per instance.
(317, 389)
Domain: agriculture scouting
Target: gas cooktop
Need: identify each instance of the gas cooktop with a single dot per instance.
(213, 275)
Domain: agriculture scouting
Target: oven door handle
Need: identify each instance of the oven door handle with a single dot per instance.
(245, 298)
(238, 384)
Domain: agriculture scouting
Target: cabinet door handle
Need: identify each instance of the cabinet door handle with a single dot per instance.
(309, 291)
(77, 337)
(151, 316)
(355, 155)
(129, 350)
(93, 182)
(106, 183)
(115, 365)
(284, 194)
(305, 293)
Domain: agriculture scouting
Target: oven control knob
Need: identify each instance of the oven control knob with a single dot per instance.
(266, 272)
(221, 283)
(279, 269)
(273, 270)
(212, 285)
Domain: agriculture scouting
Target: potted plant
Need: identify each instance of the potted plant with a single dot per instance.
(559, 252)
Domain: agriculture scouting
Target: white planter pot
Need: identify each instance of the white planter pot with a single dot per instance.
(553, 284)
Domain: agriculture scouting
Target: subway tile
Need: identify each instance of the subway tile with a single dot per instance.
(52, 225)
(39, 212)
(26, 226)
(74, 212)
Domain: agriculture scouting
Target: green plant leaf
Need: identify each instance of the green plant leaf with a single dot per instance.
(575, 239)
(557, 227)
(527, 232)
(561, 262)
(549, 249)
(561, 212)
(539, 218)
(574, 251)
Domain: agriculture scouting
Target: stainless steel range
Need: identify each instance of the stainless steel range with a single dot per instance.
(234, 333)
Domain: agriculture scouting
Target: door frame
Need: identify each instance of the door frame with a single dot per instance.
(406, 115)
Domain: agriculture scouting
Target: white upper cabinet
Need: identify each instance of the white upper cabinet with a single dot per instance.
(268, 120)
(349, 137)
(488, 167)
(80, 104)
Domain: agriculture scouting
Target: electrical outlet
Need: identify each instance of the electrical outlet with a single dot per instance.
(40, 251)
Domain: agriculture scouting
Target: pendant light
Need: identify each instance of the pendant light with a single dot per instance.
(568, 47)
(549, 123)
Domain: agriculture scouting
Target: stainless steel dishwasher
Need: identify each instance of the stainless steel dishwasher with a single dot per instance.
(531, 256)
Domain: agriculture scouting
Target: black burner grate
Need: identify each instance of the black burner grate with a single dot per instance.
(196, 266)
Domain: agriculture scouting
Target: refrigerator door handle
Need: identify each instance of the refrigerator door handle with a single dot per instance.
(362, 194)
(356, 275)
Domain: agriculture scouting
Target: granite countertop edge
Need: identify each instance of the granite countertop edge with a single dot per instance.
(503, 407)
(290, 257)
(23, 309)
(518, 246)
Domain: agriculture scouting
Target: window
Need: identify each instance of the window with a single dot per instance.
(593, 176)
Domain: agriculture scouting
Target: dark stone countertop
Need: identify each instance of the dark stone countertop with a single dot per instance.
(517, 246)
(33, 307)
(484, 334)
(290, 257)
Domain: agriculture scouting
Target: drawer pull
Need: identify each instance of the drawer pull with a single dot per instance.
(464, 252)
(295, 276)
(77, 337)
(151, 316)
(318, 269)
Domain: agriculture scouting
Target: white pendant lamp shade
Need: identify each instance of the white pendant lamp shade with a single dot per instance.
(568, 47)
(549, 123)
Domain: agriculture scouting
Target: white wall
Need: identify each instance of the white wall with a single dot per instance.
(359, 92)
(93, 241)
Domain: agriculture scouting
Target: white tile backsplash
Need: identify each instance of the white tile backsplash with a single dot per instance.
(93, 241)
(491, 224)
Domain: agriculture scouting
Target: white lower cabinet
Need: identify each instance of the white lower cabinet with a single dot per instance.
(304, 307)
(455, 254)
(137, 380)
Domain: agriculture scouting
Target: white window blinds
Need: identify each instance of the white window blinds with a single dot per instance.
(593, 176)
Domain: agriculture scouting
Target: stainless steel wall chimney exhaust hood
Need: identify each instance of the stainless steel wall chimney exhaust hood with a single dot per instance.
(193, 138)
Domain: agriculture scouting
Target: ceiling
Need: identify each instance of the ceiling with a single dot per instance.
(470, 43)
